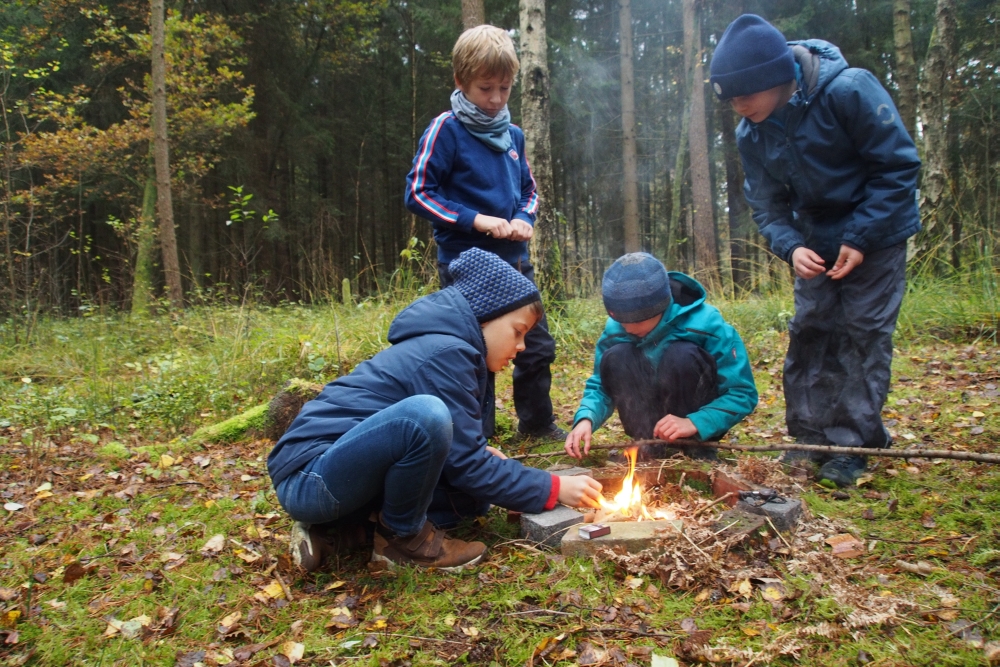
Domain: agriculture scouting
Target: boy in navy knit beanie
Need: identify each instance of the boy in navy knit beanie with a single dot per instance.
(471, 180)
(402, 435)
(831, 176)
(666, 360)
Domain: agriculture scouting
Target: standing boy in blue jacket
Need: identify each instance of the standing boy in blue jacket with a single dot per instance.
(831, 176)
(402, 434)
(471, 179)
(667, 360)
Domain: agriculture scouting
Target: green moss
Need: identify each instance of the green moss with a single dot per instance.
(114, 451)
(234, 428)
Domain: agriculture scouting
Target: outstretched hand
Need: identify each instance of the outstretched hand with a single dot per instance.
(581, 433)
(579, 491)
(672, 427)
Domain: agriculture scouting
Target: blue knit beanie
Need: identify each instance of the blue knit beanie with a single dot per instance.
(751, 57)
(491, 286)
(636, 288)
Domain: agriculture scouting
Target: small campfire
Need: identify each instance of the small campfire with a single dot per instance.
(629, 503)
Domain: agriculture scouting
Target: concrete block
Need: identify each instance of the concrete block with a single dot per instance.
(784, 515)
(548, 527)
(633, 536)
(739, 523)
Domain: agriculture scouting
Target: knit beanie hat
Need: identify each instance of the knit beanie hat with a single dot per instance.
(490, 285)
(636, 288)
(751, 57)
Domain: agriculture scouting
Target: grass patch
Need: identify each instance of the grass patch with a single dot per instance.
(110, 396)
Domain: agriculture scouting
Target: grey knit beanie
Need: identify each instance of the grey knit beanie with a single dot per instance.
(636, 288)
(491, 286)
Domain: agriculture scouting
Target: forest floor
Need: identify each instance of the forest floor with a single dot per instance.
(123, 542)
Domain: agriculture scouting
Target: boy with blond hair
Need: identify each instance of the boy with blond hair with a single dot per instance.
(471, 179)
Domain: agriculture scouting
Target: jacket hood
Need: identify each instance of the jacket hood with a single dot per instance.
(820, 62)
(445, 312)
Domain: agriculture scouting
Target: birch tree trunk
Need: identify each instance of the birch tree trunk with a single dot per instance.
(706, 253)
(473, 14)
(630, 187)
(161, 158)
(142, 278)
(935, 99)
(537, 143)
(906, 67)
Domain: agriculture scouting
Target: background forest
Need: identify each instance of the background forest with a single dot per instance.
(292, 126)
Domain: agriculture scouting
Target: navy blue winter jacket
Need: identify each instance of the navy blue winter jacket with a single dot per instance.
(455, 176)
(834, 166)
(437, 349)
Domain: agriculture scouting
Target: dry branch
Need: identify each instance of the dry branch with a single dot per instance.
(797, 447)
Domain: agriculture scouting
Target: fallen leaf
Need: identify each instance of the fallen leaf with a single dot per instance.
(7, 594)
(868, 515)
(773, 592)
(229, 623)
(633, 582)
(689, 626)
(663, 661)
(892, 505)
(449, 620)
(13, 507)
(293, 651)
(470, 631)
(992, 652)
(10, 618)
(750, 631)
(215, 544)
(45, 486)
(335, 585)
(927, 520)
(166, 460)
(341, 619)
(274, 590)
(846, 545)
(923, 568)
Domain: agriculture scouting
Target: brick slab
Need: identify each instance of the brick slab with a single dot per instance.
(633, 536)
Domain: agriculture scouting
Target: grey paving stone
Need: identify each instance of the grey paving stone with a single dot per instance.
(548, 527)
(785, 516)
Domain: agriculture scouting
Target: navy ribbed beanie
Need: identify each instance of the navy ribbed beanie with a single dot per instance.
(751, 57)
(636, 288)
(490, 285)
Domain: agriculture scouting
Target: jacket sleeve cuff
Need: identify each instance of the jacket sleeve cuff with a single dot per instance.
(553, 494)
(466, 220)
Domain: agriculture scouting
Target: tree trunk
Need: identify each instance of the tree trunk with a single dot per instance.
(537, 144)
(630, 190)
(906, 67)
(739, 212)
(473, 14)
(706, 253)
(935, 98)
(142, 279)
(161, 158)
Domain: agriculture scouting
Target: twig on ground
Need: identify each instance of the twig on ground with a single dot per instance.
(972, 625)
(777, 532)
(715, 502)
(539, 611)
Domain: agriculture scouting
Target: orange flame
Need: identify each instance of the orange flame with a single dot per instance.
(630, 497)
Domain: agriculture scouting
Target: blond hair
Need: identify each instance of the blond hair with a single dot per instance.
(484, 51)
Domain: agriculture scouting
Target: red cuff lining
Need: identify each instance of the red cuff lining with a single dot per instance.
(553, 494)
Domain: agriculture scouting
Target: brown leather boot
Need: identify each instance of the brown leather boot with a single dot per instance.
(428, 548)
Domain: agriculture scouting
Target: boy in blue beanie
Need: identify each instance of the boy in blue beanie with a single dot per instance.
(667, 360)
(402, 434)
(831, 176)
(471, 179)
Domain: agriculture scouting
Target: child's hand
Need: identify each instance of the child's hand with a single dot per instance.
(672, 427)
(847, 260)
(807, 264)
(495, 452)
(579, 491)
(522, 231)
(581, 432)
(498, 228)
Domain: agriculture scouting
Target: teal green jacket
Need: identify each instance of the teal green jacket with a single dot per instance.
(688, 318)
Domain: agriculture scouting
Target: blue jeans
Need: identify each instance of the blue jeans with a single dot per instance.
(396, 454)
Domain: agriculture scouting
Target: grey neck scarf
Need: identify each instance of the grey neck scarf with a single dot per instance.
(492, 131)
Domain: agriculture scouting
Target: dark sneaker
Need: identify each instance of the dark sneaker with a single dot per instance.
(842, 470)
(310, 544)
(428, 548)
(547, 432)
(309, 547)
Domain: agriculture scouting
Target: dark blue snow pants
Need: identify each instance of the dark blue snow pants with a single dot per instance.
(837, 369)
